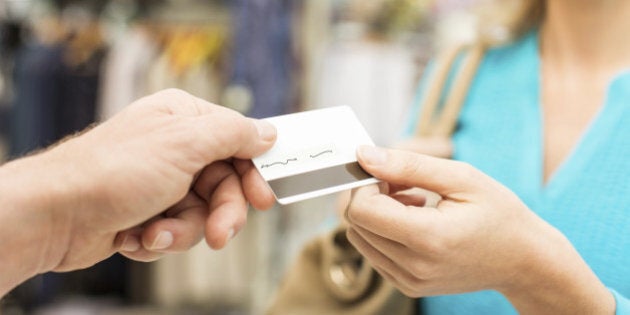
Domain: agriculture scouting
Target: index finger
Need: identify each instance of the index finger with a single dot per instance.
(445, 177)
(256, 189)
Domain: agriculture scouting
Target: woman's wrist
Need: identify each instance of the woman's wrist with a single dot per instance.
(552, 278)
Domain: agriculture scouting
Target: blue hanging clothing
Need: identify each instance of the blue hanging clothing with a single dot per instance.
(263, 56)
(38, 96)
(80, 89)
(52, 99)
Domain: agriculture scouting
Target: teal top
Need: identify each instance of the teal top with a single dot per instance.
(587, 198)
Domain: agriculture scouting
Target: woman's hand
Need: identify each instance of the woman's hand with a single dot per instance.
(437, 146)
(479, 236)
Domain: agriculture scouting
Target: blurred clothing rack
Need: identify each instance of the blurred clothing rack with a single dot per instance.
(260, 57)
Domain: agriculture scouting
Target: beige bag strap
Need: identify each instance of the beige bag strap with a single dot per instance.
(442, 124)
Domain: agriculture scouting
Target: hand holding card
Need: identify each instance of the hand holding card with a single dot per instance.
(315, 154)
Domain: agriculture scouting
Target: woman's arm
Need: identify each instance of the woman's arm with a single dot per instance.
(623, 304)
(480, 236)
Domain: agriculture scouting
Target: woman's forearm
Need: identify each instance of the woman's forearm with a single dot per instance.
(556, 280)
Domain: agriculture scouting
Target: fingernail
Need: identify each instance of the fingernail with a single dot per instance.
(162, 241)
(131, 243)
(231, 233)
(266, 130)
(372, 155)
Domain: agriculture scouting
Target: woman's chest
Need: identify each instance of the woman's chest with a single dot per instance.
(587, 198)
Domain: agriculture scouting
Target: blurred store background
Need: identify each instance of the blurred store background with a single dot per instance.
(66, 64)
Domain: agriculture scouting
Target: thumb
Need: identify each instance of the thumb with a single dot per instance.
(211, 132)
(224, 133)
(445, 177)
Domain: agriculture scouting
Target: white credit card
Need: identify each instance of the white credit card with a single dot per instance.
(315, 154)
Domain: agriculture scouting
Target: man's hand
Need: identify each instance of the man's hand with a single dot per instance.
(154, 179)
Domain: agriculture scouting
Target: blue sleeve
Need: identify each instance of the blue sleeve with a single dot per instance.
(623, 303)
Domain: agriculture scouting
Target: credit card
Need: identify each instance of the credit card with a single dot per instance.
(315, 154)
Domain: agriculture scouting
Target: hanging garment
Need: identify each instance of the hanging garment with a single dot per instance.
(263, 55)
(314, 28)
(10, 40)
(201, 276)
(376, 79)
(79, 92)
(125, 71)
(38, 97)
(189, 62)
(54, 99)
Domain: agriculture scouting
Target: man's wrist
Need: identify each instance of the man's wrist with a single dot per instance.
(36, 215)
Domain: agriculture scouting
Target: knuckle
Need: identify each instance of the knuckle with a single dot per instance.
(351, 209)
(354, 211)
(435, 247)
(416, 242)
(180, 98)
(408, 292)
(415, 282)
(234, 129)
(174, 93)
(422, 272)
(245, 128)
(350, 212)
(418, 272)
(411, 241)
(469, 172)
(432, 244)
(350, 235)
(410, 166)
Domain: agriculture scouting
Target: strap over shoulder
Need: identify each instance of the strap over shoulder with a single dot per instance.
(439, 120)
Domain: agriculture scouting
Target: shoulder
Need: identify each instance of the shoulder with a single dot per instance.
(511, 70)
(519, 55)
(507, 63)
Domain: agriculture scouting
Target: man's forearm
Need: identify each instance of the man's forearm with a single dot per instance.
(32, 227)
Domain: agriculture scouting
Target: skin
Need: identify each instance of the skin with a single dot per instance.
(434, 146)
(157, 178)
(583, 46)
(480, 235)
